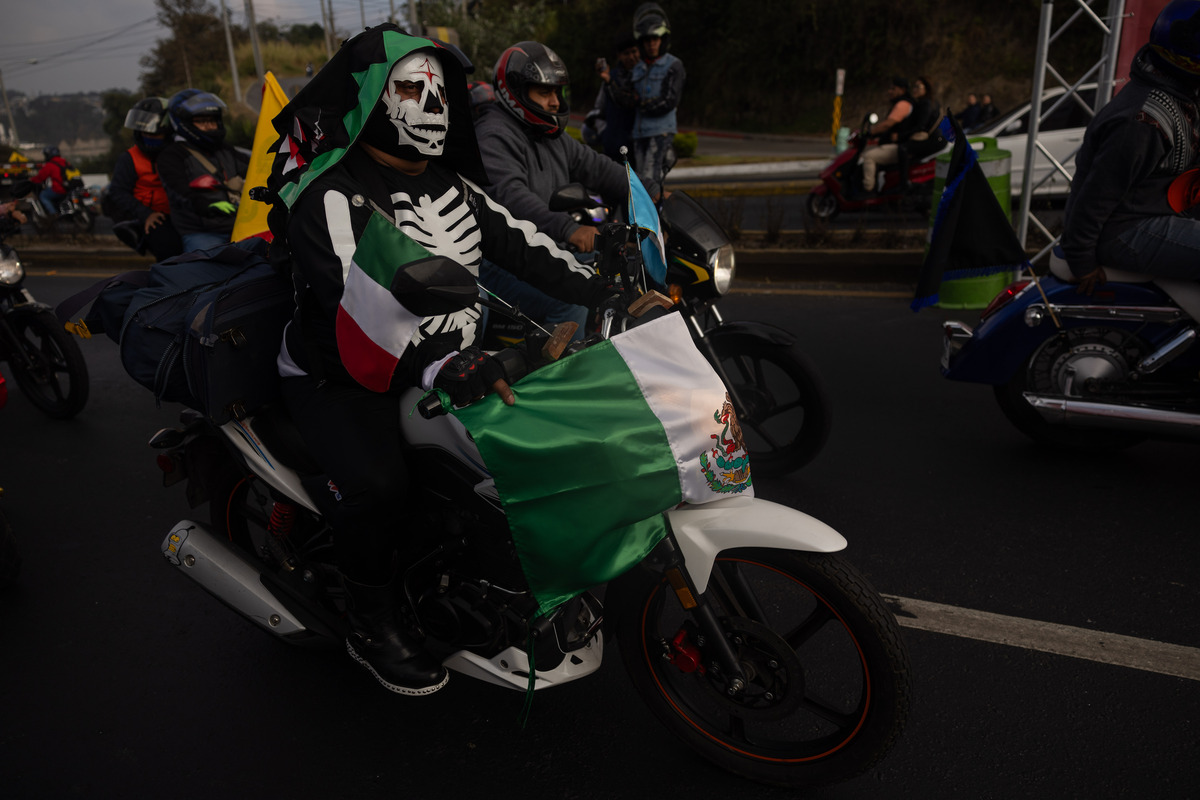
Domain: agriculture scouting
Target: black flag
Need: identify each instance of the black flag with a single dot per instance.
(971, 236)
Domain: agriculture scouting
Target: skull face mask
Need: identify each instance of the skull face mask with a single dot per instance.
(415, 103)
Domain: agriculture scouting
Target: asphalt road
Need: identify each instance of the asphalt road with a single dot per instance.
(123, 679)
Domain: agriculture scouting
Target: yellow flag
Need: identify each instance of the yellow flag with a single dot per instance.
(252, 214)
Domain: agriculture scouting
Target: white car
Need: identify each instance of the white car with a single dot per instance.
(1061, 133)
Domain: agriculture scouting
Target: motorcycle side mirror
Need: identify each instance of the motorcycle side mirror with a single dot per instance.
(204, 182)
(570, 197)
(435, 285)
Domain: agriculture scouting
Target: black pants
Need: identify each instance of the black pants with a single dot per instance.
(354, 434)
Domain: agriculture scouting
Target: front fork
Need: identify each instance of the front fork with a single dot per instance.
(704, 345)
(722, 660)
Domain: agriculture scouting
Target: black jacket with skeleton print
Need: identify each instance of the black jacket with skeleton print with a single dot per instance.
(441, 211)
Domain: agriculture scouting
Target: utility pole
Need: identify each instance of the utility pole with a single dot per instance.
(363, 13)
(328, 34)
(332, 25)
(237, 85)
(258, 65)
(412, 18)
(12, 125)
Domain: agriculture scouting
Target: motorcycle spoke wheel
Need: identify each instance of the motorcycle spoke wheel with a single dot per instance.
(822, 206)
(83, 221)
(827, 675)
(51, 370)
(781, 406)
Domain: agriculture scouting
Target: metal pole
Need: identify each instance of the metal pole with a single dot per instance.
(258, 64)
(237, 85)
(1035, 114)
(332, 26)
(363, 13)
(1112, 49)
(412, 18)
(12, 125)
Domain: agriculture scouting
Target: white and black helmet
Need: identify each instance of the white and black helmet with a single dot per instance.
(527, 64)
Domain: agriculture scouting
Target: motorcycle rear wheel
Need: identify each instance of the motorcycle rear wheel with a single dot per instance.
(1042, 373)
(83, 221)
(784, 413)
(828, 675)
(55, 379)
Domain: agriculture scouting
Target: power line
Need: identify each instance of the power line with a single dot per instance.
(83, 36)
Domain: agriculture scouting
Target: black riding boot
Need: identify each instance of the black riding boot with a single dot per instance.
(379, 643)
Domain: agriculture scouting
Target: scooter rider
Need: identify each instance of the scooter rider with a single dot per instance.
(888, 130)
(1129, 207)
(397, 153)
(528, 158)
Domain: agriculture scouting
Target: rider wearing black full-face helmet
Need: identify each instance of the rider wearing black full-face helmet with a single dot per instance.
(527, 159)
(204, 217)
(1134, 200)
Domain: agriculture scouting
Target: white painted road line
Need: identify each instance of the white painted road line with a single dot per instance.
(1047, 637)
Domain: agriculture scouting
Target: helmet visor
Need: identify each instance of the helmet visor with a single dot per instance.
(139, 119)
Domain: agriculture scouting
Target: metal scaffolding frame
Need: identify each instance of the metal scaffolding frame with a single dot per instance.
(1102, 72)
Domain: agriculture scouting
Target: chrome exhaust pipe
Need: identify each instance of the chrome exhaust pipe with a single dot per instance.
(228, 576)
(1110, 416)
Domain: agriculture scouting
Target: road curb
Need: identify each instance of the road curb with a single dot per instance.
(779, 265)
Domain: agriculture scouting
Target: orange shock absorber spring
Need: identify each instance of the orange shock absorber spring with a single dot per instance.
(283, 517)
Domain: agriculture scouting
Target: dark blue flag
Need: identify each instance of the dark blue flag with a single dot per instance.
(971, 235)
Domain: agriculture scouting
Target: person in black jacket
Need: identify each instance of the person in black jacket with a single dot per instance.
(203, 176)
(384, 175)
(136, 194)
(1122, 211)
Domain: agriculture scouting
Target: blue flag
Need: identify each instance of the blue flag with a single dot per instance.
(644, 217)
(971, 236)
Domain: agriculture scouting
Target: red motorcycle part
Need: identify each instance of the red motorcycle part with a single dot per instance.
(3, 392)
(685, 655)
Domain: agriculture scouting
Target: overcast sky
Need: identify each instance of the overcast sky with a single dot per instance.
(93, 45)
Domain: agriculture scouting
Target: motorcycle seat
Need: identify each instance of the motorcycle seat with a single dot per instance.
(1186, 294)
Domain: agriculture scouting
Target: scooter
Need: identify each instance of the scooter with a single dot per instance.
(840, 180)
(744, 630)
(777, 392)
(1093, 372)
(78, 208)
(46, 362)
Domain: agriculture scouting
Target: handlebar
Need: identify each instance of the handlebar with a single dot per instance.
(516, 365)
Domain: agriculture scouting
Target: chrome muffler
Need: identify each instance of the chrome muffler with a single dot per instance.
(1110, 416)
(228, 576)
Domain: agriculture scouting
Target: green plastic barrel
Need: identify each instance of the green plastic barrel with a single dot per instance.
(996, 165)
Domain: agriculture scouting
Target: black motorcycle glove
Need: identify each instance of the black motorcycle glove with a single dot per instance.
(469, 375)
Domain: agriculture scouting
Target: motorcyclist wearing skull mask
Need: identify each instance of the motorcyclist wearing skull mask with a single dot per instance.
(203, 216)
(528, 158)
(351, 173)
(136, 193)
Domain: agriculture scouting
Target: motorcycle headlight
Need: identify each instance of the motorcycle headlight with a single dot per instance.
(720, 263)
(11, 271)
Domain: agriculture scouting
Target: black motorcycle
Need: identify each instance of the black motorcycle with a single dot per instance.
(780, 401)
(46, 362)
(78, 208)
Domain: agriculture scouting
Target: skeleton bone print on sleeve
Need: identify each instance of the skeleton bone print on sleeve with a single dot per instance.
(444, 227)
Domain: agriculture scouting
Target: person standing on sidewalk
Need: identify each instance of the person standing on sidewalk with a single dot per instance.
(617, 102)
(657, 84)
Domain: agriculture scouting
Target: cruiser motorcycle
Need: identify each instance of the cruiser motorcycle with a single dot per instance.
(1099, 372)
(46, 362)
(779, 397)
(744, 630)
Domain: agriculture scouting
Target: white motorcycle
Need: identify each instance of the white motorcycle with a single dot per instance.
(744, 630)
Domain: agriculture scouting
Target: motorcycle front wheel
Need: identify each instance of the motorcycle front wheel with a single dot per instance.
(827, 674)
(781, 406)
(52, 372)
(822, 206)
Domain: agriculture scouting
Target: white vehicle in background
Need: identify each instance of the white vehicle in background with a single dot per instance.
(1060, 133)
